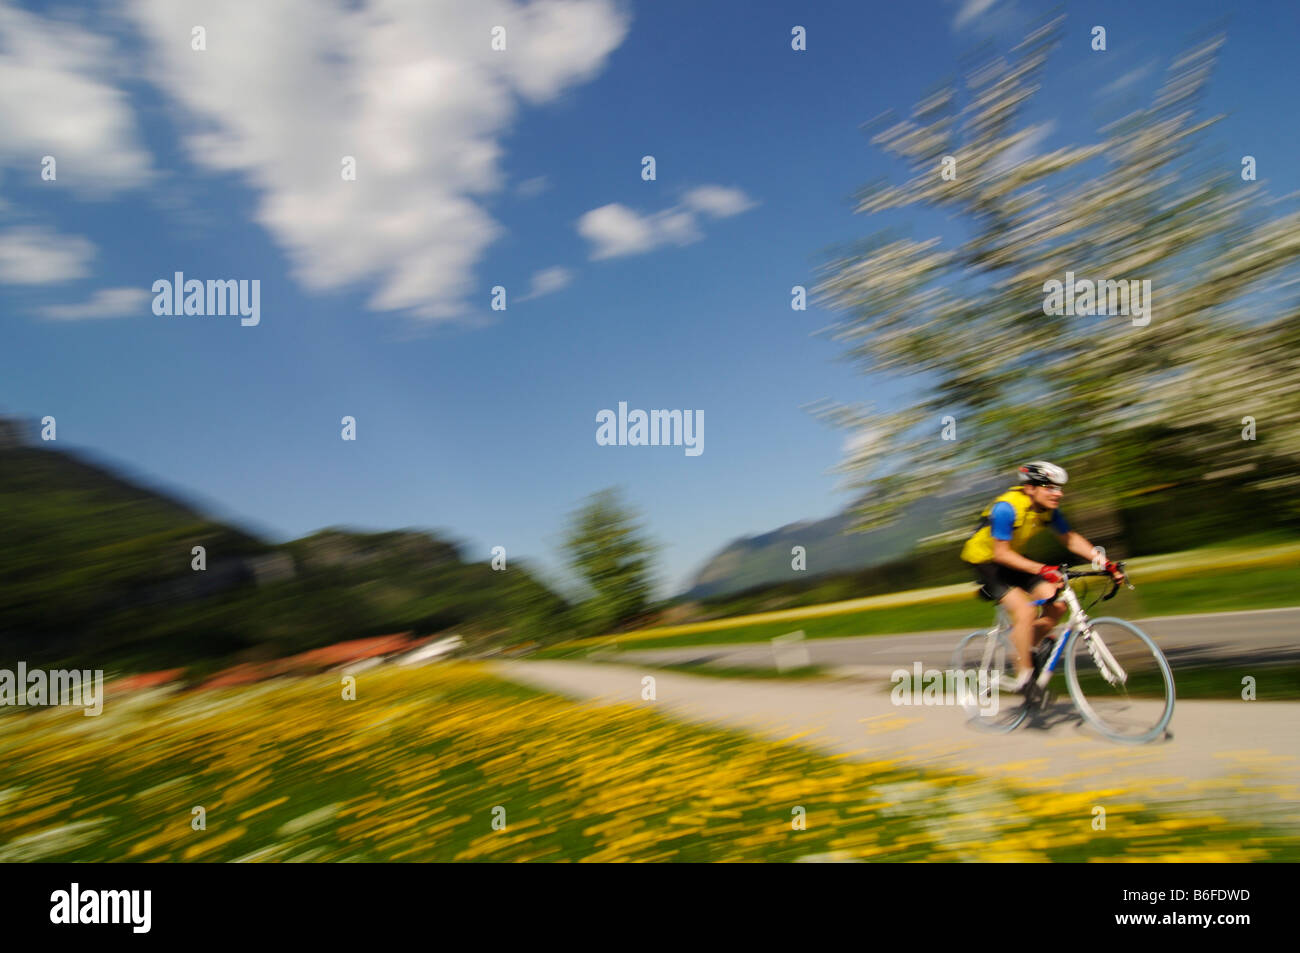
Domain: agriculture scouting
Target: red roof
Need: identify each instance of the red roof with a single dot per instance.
(329, 656)
(340, 653)
(134, 683)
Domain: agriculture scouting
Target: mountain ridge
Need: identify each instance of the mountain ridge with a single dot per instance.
(830, 546)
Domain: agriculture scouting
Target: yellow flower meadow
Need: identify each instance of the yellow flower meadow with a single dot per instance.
(445, 762)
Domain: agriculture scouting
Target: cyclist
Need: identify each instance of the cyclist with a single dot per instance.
(1012, 580)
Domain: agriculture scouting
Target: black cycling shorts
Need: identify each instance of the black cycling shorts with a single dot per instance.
(995, 579)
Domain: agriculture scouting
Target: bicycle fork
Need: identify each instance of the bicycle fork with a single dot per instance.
(1106, 663)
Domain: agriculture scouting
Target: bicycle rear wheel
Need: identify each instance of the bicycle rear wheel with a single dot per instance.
(1120, 681)
(988, 708)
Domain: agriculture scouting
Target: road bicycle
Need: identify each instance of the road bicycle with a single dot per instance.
(1118, 678)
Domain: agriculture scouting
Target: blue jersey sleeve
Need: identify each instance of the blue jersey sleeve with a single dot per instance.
(1002, 520)
(1058, 522)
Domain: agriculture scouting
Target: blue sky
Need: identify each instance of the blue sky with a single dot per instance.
(477, 169)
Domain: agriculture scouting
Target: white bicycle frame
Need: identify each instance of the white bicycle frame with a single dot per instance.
(1077, 625)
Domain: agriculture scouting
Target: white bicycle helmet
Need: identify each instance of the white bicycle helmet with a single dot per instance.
(1040, 471)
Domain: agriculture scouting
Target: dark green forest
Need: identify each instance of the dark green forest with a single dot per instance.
(95, 568)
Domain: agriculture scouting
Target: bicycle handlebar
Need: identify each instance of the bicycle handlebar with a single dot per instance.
(1067, 574)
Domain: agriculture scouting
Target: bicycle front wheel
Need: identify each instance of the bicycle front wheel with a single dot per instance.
(1120, 681)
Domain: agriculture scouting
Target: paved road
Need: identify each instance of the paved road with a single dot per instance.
(1265, 635)
(1239, 757)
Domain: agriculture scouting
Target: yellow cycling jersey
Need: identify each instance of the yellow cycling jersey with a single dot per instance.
(1027, 523)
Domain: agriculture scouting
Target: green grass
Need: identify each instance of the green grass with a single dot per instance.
(1252, 588)
(1273, 683)
(1267, 587)
(872, 622)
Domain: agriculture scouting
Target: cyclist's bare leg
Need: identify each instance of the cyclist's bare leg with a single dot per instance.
(1052, 611)
(1022, 613)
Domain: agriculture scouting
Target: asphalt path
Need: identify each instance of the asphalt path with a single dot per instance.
(1234, 756)
(1260, 636)
(1221, 758)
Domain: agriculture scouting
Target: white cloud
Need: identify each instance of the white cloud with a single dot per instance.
(38, 255)
(105, 303)
(57, 98)
(862, 443)
(718, 201)
(531, 188)
(548, 281)
(616, 230)
(970, 10)
(411, 88)
(1027, 145)
(1125, 81)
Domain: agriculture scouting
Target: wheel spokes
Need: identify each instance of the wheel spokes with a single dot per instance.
(991, 661)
